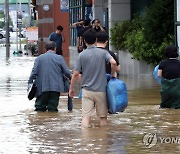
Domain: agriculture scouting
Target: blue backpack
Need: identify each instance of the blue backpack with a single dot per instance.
(117, 96)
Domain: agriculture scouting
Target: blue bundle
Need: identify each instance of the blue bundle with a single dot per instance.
(155, 74)
(80, 94)
(117, 96)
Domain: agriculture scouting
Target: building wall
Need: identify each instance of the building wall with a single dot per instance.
(45, 22)
(62, 18)
(132, 67)
(48, 21)
(73, 56)
(98, 10)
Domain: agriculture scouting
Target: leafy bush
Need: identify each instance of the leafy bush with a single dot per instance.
(144, 50)
(146, 37)
(121, 31)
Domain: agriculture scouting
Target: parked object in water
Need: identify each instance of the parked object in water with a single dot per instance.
(155, 74)
(32, 47)
(2, 33)
(117, 96)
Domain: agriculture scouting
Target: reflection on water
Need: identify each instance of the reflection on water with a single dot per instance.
(22, 130)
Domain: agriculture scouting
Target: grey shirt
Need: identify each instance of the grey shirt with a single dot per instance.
(91, 62)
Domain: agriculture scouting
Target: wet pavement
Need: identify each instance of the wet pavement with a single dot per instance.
(24, 131)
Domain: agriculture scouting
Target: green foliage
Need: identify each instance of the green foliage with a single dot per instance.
(121, 31)
(159, 21)
(144, 50)
(146, 37)
(119, 34)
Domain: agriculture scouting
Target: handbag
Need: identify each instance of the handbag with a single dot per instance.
(66, 84)
(32, 91)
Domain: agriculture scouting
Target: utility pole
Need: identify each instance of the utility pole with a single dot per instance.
(7, 28)
(16, 26)
(20, 25)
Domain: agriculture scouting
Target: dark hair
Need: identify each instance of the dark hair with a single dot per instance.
(87, 22)
(102, 37)
(90, 36)
(95, 20)
(171, 51)
(80, 20)
(50, 45)
(59, 28)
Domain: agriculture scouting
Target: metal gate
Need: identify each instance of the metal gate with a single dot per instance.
(77, 12)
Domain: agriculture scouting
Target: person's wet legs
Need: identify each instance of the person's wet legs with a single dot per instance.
(103, 121)
(85, 121)
(53, 101)
(41, 102)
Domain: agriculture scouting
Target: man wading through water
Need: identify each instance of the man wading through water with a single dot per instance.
(91, 62)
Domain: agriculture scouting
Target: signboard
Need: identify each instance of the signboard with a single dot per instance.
(32, 33)
(64, 5)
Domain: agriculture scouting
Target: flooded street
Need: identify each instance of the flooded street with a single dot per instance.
(24, 131)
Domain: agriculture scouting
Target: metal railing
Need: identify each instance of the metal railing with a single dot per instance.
(77, 12)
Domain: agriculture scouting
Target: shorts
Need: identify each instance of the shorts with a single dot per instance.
(91, 100)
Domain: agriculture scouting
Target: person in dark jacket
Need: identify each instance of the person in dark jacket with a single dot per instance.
(58, 38)
(169, 68)
(96, 25)
(87, 26)
(169, 71)
(48, 71)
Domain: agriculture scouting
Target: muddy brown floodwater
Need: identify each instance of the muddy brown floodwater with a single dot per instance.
(24, 131)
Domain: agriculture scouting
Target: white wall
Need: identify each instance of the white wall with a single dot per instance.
(132, 67)
(98, 10)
